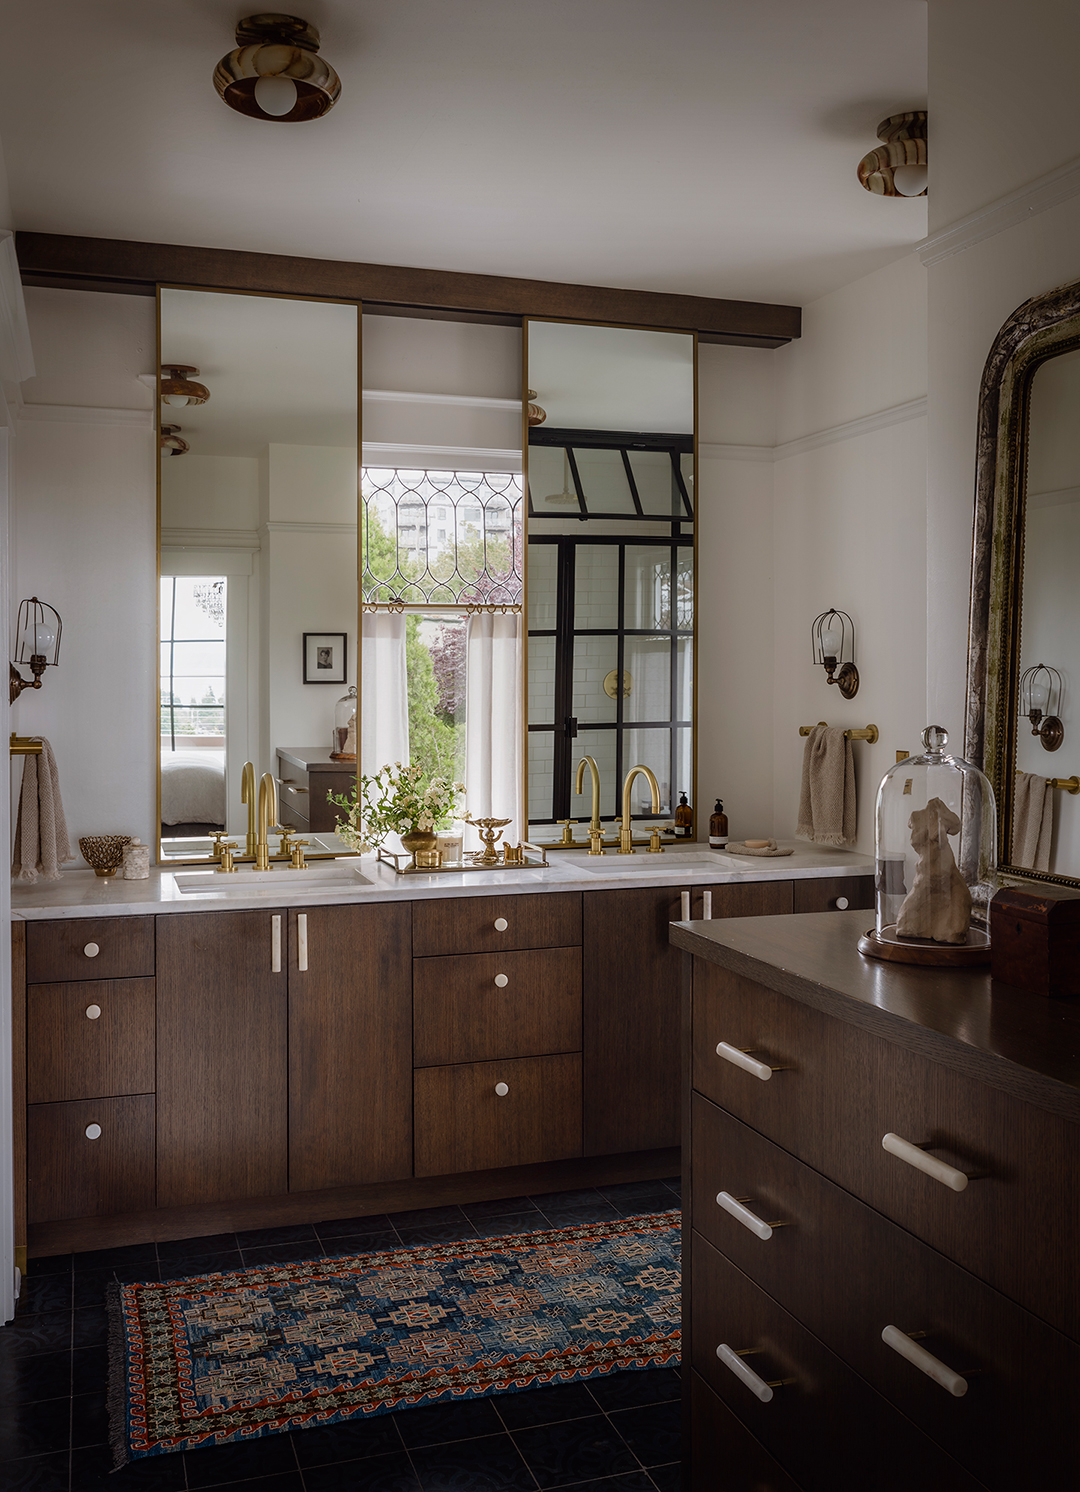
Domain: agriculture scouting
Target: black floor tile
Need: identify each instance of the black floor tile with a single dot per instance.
(91, 1471)
(255, 1238)
(283, 1253)
(627, 1390)
(491, 1463)
(545, 1406)
(575, 1450)
(38, 1474)
(630, 1481)
(50, 1264)
(35, 1429)
(667, 1478)
(620, 1189)
(361, 1243)
(421, 1217)
(588, 1212)
(390, 1473)
(282, 1481)
(434, 1424)
(42, 1375)
(90, 1287)
(349, 1227)
(45, 1292)
(652, 1431)
(348, 1441)
(581, 1198)
(657, 1199)
(519, 1222)
(49, 1332)
(197, 1248)
(90, 1327)
(450, 1232)
(89, 1419)
(269, 1456)
(89, 1369)
(497, 1207)
(135, 1253)
(181, 1269)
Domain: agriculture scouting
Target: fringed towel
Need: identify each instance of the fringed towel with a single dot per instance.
(1033, 821)
(41, 837)
(827, 800)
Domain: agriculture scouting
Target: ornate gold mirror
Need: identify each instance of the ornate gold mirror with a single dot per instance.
(1022, 721)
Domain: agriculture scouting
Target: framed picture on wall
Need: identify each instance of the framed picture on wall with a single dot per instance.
(325, 659)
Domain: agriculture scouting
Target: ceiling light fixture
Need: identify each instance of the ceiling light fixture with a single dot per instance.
(565, 496)
(898, 167)
(275, 71)
(176, 390)
(172, 442)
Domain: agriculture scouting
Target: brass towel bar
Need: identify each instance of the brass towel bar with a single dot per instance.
(1070, 784)
(23, 746)
(869, 734)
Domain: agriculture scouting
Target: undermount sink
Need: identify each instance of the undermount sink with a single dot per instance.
(644, 863)
(247, 882)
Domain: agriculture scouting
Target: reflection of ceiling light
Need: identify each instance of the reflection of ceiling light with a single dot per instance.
(537, 416)
(898, 167)
(565, 496)
(275, 71)
(176, 390)
(171, 441)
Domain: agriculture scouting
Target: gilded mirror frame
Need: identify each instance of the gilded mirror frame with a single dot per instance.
(1042, 328)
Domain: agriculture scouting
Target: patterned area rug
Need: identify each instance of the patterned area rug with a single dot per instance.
(232, 1357)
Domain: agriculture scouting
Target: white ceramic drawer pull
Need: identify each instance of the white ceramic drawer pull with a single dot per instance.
(275, 944)
(734, 1361)
(92, 1012)
(742, 1214)
(501, 1089)
(706, 906)
(741, 1058)
(301, 942)
(501, 981)
(904, 1150)
(684, 906)
(841, 903)
(501, 924)
(91, 950)
(93, 1131)
(926, 1362)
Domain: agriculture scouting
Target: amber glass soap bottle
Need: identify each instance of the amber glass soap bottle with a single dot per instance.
(718, 831)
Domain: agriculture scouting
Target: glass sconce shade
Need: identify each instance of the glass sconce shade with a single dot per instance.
(37, 644)
(275, 71)
(178, 391)
(833, 641)
(1041, 693)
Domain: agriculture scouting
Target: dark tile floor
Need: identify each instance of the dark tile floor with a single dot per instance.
(615, 1434)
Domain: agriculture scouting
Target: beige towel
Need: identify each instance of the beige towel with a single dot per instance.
(41, 836)
(1033, 821)
(827, 802)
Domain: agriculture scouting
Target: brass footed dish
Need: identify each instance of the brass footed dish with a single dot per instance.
(104, 853)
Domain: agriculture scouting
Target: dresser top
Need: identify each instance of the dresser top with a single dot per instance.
(1022, 1044)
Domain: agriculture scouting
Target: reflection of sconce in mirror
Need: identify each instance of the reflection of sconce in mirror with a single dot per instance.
(611, 683)
(565, 496)
(1040, 697)
(178, 390)
(275, 71)
(537, 416)
(897, 168)
(37, 644)
(172, 443)
(833, 635)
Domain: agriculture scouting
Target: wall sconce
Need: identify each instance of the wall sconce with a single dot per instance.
(178, 390)
(898, 167)
(38, 644)
(833, 635)
(275, 71)
(1040, 689)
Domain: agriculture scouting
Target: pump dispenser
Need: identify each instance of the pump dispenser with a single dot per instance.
(718, 829)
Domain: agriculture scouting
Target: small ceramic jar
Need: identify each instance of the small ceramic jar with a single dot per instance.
(136, 866)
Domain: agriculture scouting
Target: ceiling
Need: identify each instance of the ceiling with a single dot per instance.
(698, 146)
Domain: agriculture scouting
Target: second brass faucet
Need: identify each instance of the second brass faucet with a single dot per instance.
(267, 814)
(626, 840)
(595, 832)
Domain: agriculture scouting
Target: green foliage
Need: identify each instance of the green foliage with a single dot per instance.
(432, 742)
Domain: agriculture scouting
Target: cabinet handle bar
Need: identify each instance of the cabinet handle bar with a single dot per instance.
(734, 1362)
(275, 944)
(925, 1361)
(741, 1214)
(748, 1064)
(301, 942)
(930, 1166)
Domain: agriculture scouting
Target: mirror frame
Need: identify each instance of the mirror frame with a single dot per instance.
(1042, 328)
(166, 862)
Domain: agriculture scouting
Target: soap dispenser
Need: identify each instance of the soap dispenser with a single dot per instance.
(684, 818)
(718, 830)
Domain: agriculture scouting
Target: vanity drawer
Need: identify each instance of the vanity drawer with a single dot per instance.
(89, 1040)
(472, 1007)
(826, 1427)
(472, 924)
(847, 1274)
(462, 1124)
(89, 948)
(794, 1106)
(827, 895)
(724, 1456)
(70, 1174)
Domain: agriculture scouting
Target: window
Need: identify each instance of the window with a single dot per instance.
(192, 662)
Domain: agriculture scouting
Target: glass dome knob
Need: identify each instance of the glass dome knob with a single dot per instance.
(935, 738)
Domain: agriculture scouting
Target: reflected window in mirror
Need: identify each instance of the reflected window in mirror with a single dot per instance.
(193, 703)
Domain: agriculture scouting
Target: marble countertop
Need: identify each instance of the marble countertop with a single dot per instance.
(80, 893)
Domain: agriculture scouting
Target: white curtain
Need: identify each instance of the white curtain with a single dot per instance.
(494, 723)
(384, 713)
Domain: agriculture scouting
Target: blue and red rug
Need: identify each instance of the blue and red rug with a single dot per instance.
(224, 1358)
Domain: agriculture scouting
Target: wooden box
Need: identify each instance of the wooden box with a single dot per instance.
(1035, 939)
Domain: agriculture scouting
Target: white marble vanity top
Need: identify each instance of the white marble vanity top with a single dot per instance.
(80, 893)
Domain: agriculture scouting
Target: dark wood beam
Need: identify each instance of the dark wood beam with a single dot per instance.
(117, 265)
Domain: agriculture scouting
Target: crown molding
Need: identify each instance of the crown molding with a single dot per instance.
(86, 414)
(1007, 212)
(898, 414)
(459, 401)
(209, 538)
(441, 458)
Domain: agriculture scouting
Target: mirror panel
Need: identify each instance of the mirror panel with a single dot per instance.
(258, 506)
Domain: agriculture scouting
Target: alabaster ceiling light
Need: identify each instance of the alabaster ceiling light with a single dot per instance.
(897, 168)
(275, 71)
(177, 390)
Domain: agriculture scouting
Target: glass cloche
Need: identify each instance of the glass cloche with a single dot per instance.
(344, 745)
(936, 859)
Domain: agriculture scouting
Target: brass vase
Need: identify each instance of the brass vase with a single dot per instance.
(418, 839)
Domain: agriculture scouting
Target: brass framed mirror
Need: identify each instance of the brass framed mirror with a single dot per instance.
(1021, 723)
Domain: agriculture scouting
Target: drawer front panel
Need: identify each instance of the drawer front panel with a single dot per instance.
(90, 948)
(89, 1040)
(69, 1174)
(848, 1273)
(462, 1124)
(825, 1426)
(468, 924)
(794, 1105)
(724, 1456)
(460, 1013)
(827, 895)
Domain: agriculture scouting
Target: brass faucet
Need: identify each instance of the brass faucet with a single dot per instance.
(247, 795)
(595, 832)
(266, 814)
(626, 841)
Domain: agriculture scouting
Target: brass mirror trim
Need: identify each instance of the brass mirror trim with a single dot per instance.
(1044, 327)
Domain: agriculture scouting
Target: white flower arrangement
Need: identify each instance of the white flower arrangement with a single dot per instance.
(395, 800)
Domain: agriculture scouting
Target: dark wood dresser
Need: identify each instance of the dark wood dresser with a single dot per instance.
(305, 776)
(882, 1202)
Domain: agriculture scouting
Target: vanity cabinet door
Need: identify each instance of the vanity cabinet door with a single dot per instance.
(221, 1056)
(350, 1046)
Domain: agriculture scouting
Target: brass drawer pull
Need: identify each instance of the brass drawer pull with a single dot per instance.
(91, 950)
(926, 1362)
(930, 1166)
(92, 1012)
(738, 1057)
(742, 1214)
(733, 1360)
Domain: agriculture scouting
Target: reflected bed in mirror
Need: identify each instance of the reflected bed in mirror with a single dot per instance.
(611, 569)
(258, 513)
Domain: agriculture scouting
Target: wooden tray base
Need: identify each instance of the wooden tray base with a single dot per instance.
(967, 955)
